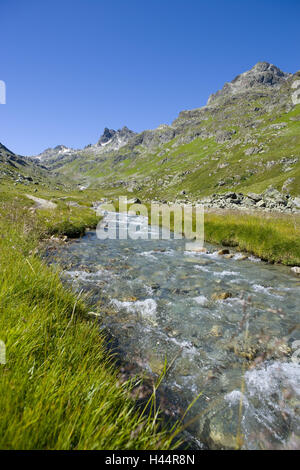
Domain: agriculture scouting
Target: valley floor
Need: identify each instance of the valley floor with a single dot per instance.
(59, 388)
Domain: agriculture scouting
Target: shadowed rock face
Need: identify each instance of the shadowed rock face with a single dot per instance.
(107, 135)
(262, 75)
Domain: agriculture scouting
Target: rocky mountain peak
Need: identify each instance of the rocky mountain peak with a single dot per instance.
(116, 138)
(107, 135)
(262, 75)
(59, 150)
(61, 147)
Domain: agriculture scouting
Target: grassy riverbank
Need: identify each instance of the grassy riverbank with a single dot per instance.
(272, 237)
(59, 388)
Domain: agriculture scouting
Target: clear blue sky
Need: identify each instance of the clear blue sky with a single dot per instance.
(72, 67)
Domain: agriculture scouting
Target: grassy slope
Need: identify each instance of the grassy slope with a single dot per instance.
(59, 388)
(198, 167)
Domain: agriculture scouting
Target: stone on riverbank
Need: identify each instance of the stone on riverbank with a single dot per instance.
(296, 270)
(224, 251)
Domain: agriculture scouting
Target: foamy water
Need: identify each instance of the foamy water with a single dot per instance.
(236, 351)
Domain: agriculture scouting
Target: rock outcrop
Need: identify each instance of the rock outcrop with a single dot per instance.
(269, 200)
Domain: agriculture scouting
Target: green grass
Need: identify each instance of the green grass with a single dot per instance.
(59, 388)
(272, 238)
(68, 221)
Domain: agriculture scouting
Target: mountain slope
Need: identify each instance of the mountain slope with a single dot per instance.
(245, 139)
(24, 171)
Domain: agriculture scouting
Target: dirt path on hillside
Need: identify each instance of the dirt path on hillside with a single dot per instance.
(42, 203)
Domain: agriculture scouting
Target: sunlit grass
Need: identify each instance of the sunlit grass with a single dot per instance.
(272, 237)
(275, 238)
(59, 388)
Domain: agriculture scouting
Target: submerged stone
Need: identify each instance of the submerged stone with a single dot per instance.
(221, 295)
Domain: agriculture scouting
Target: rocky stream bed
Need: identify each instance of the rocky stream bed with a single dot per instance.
(227, 325)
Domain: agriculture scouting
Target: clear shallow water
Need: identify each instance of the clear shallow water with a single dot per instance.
(160, 301)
